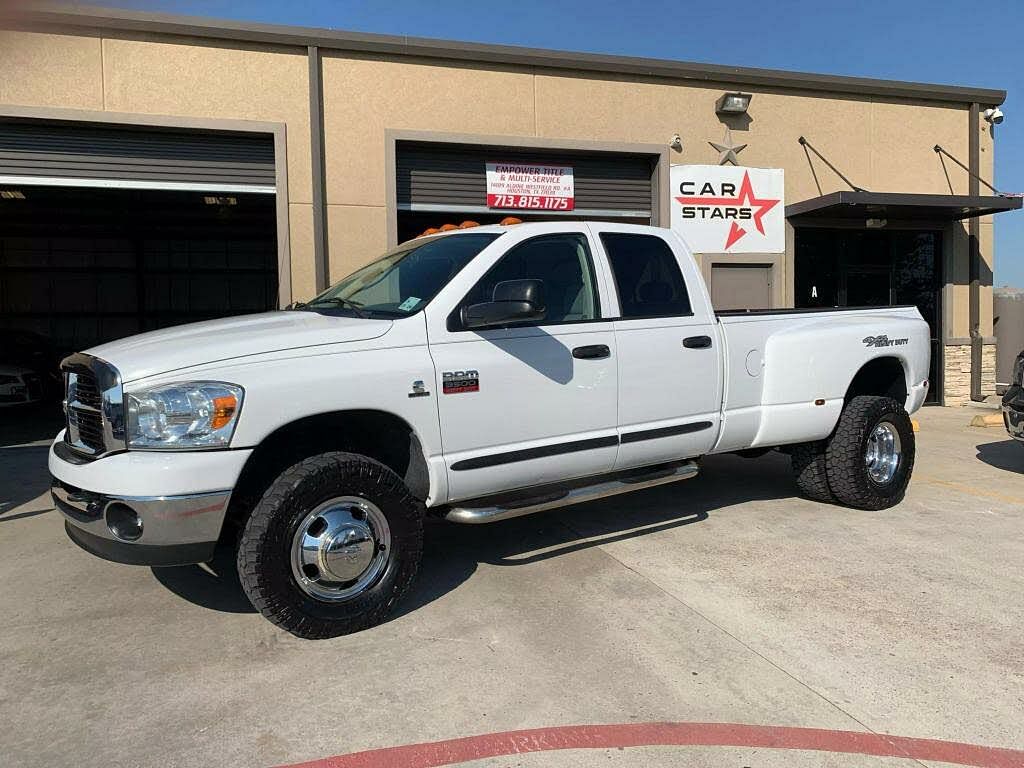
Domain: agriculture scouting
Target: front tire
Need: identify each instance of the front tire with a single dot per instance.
(870, 456)
(331, 546)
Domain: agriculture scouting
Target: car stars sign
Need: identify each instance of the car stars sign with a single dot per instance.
(724, 209)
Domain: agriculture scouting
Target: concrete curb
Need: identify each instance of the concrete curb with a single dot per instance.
(987, 420)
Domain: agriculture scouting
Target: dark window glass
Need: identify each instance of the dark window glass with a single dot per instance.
(562, 262)
(646, 274)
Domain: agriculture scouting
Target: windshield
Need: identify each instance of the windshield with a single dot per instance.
(404, 280)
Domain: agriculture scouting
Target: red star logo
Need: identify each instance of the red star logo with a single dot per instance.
(745, 199)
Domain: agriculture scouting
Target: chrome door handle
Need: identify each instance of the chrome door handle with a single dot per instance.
(592, 352)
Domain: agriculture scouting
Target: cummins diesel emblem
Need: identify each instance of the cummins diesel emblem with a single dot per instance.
(884, 341)
(460, 381)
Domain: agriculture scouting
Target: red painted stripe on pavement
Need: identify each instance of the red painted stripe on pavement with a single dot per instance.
(454, 751)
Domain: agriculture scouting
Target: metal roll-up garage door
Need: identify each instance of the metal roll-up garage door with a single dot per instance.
(452, 178)
(68, 154)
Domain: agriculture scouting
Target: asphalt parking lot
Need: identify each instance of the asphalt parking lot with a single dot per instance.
(724, 599)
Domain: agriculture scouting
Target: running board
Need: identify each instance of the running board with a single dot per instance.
(601, 490)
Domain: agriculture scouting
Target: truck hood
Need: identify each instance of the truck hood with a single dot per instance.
(185, 346)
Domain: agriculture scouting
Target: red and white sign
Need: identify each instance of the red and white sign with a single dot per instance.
(729, 209)
(522, 186)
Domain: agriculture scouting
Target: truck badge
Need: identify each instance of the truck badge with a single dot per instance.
(455, 382)
(419, 389)
(884, 341)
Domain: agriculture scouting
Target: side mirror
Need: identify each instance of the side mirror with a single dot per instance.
(513, 302)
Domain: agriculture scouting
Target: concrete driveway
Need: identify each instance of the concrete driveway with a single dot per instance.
(724, 599)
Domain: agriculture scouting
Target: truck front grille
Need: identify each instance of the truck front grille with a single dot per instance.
(95, 421)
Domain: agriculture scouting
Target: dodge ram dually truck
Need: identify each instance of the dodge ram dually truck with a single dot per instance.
(476, 375)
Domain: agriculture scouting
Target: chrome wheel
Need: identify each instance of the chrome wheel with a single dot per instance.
(882, 456)
(340, 549)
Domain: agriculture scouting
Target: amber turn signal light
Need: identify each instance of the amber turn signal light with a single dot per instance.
(223, 411)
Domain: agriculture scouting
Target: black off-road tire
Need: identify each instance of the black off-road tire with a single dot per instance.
(848, 475)
(808, 462)
(264, 552)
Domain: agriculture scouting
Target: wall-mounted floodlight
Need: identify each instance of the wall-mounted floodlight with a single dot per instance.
(732, 103)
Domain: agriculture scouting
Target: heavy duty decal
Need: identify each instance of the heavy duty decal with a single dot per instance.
(884, 341)
(455, 382)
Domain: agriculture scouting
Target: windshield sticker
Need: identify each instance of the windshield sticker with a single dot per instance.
(409, 304)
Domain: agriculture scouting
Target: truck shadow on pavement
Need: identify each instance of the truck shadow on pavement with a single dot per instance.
(1006, 454)
(452, 552)
(23, 478)
(213, 585)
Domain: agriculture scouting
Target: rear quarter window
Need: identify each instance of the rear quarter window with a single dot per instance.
(647, 275)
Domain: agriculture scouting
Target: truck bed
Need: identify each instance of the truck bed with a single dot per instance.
(786, 371)
(803, 310)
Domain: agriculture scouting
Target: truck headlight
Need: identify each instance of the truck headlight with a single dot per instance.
(187, 415)
(1018, 370)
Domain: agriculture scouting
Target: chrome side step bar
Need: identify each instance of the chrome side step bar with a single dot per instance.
(600, 490)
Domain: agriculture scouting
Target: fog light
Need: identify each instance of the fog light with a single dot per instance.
(123, 522)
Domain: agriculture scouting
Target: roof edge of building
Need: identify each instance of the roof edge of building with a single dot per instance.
(69, 18)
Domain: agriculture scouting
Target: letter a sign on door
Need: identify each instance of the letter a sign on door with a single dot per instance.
(729, 209)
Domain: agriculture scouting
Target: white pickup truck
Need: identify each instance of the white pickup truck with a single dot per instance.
(475, 375)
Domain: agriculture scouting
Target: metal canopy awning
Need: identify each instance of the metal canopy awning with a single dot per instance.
(899, 206)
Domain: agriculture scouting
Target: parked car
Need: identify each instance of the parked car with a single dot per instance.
(19, 385)
(1013, 401)
(474, 375)
(35, 356)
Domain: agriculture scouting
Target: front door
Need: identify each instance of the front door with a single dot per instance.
(523, 406)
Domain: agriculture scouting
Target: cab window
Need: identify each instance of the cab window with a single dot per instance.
(647, 275)
(563, 262)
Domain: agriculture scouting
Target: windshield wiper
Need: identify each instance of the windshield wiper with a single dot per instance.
(346, 303)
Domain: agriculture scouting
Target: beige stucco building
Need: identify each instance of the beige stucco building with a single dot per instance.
(331, 147)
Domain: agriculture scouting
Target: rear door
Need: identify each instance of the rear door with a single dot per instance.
(669, 363)
(527, 405)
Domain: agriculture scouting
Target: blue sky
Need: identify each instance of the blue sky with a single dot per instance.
(944, 41)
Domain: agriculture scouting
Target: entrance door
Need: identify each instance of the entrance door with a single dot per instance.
(866, 286)
(741, 286)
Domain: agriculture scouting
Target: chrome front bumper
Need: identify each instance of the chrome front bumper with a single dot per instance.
(175, 530)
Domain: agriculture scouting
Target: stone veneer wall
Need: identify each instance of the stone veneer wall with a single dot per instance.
(957, 381)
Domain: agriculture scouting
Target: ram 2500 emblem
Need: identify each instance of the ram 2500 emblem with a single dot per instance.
(454, 382)
(884, 341)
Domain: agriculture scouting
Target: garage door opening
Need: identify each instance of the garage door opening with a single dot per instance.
(439, 183)
(79, 267)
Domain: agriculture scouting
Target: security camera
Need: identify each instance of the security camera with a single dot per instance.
(994, 115)
(677, 142)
